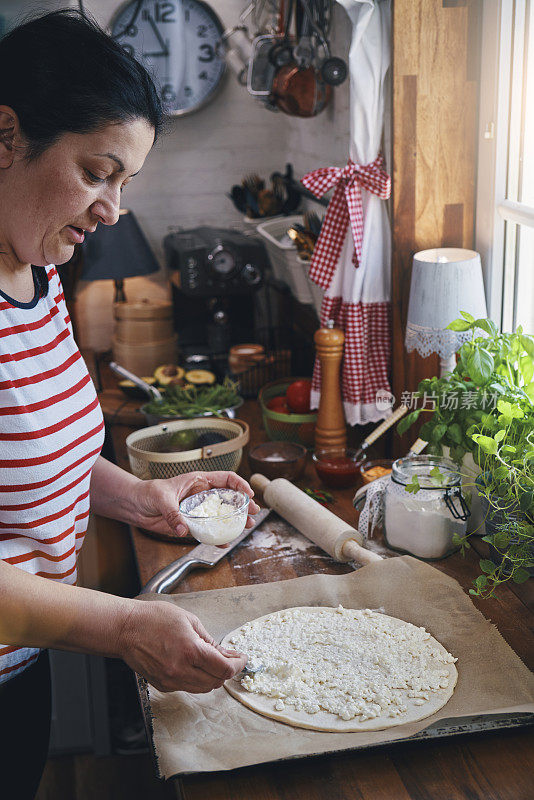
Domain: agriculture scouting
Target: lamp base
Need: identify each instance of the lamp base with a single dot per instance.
(447, 365)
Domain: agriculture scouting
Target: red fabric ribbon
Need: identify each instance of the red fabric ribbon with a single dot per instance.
(344, 207)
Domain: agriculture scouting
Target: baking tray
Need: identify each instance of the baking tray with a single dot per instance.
(426, 584)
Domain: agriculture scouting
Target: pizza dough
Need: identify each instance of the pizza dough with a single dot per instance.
(341, 670)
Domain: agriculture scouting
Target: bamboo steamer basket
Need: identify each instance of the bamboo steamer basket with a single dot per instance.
(147, 462)
(138, 323)
(142, 359)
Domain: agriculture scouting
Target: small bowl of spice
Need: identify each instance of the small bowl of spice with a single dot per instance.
(278, 460)
(338, 467)
(371, 470)
(215, 516)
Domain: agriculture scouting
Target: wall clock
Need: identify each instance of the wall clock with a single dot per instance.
(178, 42)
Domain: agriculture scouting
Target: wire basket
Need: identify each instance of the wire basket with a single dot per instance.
(299, 428)
(147, 461)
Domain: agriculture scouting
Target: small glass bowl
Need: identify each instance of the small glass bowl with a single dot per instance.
(338, 467)
(216, 529)
(371, 470)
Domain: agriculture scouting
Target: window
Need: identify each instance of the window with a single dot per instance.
(505, 186)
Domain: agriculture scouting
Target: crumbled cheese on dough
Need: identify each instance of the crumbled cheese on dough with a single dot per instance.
(350, 663)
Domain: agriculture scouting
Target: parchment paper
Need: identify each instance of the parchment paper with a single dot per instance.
(209, 732)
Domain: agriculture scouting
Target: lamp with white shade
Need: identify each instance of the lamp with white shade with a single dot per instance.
(445, 281)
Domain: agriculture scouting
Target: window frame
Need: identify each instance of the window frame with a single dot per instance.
(498, 218)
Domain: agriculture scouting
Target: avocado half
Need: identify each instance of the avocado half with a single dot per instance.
(131, 390)
(169, 374)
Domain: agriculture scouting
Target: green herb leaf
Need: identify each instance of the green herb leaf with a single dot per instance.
(528, 344)
(414, 486)
(486, 443)
(520, 575)
(455, 433)
(499, 436)
(487, 566)
(526, 501)
(438, 432)
(480, 366)
(481, 581)
(486, 325)
(407, 421)
(437, 476)
(526, 365)
(459, 325)
(466, 315)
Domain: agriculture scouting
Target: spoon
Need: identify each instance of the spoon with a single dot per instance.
(146, 387)
(249, 671)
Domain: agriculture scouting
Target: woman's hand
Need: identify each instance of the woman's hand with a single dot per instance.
(172, 650)
(156, 502)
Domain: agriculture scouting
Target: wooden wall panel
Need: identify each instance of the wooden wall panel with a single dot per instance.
(435, 91)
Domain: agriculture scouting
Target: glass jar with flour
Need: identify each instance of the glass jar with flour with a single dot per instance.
(422, 518)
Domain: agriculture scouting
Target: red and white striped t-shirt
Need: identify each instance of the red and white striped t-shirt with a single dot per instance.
(51, 433)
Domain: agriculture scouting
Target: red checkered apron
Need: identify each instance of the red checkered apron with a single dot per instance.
(366, 324)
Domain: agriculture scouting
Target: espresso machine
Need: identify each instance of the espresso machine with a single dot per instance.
(216, 275)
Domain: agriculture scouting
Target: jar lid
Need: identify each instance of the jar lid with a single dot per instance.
(423, 466)
(196, 359)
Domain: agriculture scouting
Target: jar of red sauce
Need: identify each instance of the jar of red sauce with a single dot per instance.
(337, 467)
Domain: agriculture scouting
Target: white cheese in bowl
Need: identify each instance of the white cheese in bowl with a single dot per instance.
(215, 516)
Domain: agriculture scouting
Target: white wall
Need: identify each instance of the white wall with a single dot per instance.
(188, 174)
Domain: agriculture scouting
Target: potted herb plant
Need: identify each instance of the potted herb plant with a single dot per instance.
(485, 408)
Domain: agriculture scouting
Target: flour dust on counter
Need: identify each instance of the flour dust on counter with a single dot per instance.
(341, 670)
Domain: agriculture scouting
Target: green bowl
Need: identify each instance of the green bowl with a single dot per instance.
(298, 428)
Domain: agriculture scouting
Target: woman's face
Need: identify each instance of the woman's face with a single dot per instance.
(71, 188)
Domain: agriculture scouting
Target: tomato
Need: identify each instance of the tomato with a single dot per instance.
(278, 404)
(298, 396)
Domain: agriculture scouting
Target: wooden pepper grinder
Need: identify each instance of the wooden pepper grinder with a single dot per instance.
(330, 428)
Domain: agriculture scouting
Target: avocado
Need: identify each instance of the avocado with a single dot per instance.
(131, 390)
(210, 437)
(169, 374)
(180, 441)
(200, 377)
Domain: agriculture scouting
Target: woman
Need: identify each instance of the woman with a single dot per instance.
(78, 116)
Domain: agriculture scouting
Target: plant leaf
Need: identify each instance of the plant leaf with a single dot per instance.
(487, 566)
(499, 436)
(438, 432)
(414, 486)
(480, 365)
(459, 325)
(526, 501)
(526, 365)
(486, 443)
(466, 315)
(520, 575)
(408, 421)
(528, 344)
(486, 325)
(455, 433)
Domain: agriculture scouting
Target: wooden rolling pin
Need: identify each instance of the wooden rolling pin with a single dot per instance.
(314, 521)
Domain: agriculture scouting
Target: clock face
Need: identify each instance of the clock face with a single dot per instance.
(178, 42)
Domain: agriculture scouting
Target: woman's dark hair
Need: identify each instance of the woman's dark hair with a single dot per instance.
(62, 73)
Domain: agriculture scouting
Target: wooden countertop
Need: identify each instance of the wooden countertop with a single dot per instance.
(495, 765)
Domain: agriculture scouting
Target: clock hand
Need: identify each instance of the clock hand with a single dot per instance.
(165, 50)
